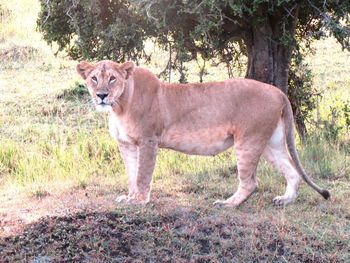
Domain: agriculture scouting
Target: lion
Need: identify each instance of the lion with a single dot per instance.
(146, 114)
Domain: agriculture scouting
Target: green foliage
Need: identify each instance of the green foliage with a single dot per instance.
(117, 29)
(93, 29)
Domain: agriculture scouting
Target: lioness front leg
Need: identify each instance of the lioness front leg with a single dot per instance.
(129, 153)
(140, 172)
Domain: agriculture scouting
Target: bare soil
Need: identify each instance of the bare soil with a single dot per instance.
(88, 226)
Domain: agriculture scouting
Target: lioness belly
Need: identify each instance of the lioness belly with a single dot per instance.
(198, 143)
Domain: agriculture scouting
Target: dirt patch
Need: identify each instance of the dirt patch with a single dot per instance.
(163, 233)
(17, 212)
(86, 225)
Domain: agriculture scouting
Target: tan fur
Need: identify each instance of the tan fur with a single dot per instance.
(201, 118)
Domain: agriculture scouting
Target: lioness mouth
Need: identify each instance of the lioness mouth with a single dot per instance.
(104, 104)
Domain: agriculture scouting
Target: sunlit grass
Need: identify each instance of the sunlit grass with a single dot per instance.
(18, 24)
(330, 68)
(71, 157)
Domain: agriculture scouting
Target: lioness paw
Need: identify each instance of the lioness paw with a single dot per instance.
(134, 201)
(225, 203)
(131, 200)
(122, 199)
(282, 200)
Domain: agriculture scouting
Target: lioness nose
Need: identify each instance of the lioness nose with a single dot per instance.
(102, 95)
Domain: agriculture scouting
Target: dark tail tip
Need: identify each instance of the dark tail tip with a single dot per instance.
(325, 193)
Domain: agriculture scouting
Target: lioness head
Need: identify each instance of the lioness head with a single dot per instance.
(105, 81)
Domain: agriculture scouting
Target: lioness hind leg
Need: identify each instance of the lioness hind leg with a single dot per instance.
(247, 162)
(276, 153)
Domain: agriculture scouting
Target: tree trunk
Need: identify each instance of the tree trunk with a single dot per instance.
(268, 56)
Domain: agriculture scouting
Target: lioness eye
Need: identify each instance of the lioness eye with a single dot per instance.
(94, 79)
(112, 80)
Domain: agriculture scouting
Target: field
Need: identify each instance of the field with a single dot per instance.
(60, 173)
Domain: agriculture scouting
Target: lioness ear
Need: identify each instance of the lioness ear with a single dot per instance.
(129, 67)
(84, 68)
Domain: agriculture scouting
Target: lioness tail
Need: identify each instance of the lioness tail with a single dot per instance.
(288, 120)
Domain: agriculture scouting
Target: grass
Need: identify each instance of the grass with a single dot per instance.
(60, 173)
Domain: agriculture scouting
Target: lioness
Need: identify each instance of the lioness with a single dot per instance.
(201, 118)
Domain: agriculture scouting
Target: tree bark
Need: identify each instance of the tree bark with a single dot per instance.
(268, 56)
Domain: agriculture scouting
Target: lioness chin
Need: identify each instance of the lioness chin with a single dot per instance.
(201, 118)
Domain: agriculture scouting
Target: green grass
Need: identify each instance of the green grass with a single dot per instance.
(53, 142)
